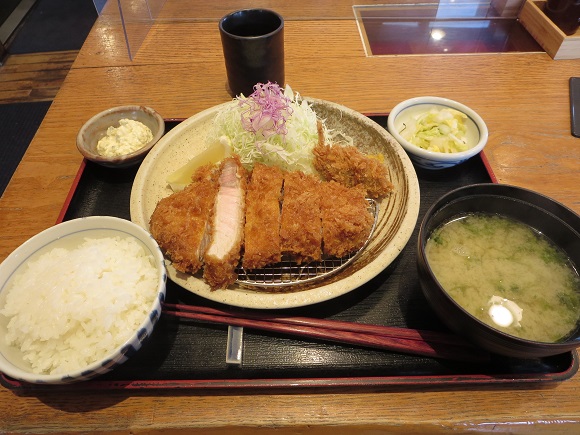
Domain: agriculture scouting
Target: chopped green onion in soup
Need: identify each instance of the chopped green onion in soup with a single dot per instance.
(507, 275)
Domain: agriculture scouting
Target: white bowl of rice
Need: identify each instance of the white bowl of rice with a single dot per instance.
(78, 299)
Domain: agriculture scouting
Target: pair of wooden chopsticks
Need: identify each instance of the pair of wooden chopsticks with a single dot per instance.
(412, 341)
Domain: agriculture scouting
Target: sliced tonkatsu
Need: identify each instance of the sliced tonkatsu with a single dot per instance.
(350, 167)
(179, 222)
(262, 228)
(226, 226)
(300, 227)
(346, 219)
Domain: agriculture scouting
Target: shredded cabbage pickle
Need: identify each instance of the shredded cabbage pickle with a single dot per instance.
(273, 126)
(440, 130)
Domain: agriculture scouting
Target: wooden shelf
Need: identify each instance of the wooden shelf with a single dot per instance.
(556, 43)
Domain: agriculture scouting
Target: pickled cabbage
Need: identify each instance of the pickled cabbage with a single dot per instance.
(440, 130)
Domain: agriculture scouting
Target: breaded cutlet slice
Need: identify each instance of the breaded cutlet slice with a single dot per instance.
(179, 221)
(350, 167)
(262, 228)
(300, 225)
(226, 226)
(346, 220)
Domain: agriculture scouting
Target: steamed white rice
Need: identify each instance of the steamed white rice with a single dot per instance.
(71, 307)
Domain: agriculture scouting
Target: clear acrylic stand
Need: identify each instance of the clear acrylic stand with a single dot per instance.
(137, 16)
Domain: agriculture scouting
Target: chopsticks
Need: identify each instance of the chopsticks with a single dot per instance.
(411, 341)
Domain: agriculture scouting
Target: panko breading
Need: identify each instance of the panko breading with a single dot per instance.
(350, 167)
(262, 230)
(300, 227)
(276, 214)
(226, 226)
(346, 220)
(179, 221)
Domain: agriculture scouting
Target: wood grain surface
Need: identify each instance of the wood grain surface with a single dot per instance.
(179, 71)
(34, 76)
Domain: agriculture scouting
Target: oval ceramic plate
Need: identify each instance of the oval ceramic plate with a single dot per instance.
(398, 212)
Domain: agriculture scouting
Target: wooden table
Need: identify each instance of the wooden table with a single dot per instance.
(179, 71)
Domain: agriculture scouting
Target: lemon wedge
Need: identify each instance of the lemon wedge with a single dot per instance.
(182, 177)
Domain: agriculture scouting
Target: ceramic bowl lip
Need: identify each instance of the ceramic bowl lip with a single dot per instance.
(434, 155)
(125, 158)
(51, 236)
(451, 197)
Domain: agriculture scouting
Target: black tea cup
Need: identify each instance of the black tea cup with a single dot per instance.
(253, 46)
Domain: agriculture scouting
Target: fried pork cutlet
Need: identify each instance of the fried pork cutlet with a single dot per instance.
(346, 220)
(300, 226)
(178, 223)
(226, 226)
(350, 167)
(262, 230)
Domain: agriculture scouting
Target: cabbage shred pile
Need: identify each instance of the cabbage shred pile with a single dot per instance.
(273, 126)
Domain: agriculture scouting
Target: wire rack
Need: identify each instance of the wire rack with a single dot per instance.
(288, 273)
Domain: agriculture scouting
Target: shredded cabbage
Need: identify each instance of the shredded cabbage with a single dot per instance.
(272, 126)
(441, 130)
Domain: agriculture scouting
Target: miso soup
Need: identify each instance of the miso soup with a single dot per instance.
(508, 275)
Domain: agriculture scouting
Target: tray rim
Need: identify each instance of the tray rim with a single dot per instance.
(295, 383)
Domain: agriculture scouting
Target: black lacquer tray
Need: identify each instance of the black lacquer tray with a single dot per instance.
(184, 354)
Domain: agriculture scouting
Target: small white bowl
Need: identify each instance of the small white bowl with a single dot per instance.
(68, 234)
(402, 112)
(96, 128)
